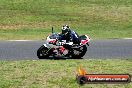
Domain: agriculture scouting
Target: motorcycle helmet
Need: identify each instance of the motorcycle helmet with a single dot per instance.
(65, 29)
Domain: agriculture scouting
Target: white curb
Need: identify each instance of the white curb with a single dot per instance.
(20, 40)
(127, 38)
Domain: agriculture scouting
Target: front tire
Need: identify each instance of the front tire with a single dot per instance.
(42, 52)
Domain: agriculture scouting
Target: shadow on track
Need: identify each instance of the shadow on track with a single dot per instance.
(61, 58)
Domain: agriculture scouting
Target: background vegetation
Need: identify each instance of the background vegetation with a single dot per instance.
(33, 19)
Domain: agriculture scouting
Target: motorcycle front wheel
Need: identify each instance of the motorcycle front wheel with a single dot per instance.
(42, 52)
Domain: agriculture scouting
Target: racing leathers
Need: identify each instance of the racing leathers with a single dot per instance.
(71, 36)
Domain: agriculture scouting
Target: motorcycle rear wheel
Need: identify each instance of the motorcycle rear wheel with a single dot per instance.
(81, 52)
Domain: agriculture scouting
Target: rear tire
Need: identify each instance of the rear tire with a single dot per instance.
(84, 51)
(41, 53)
(81, 53)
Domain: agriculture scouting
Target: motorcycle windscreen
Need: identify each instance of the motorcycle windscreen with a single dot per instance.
(54, 36)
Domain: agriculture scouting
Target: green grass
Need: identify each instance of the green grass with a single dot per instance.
(59, 73)
(32, 19)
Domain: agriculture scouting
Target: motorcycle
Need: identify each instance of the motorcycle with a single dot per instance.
(55, 47)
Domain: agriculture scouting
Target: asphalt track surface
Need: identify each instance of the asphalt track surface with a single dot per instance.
(98, 49)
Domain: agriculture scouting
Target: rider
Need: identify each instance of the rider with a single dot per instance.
(69, 35)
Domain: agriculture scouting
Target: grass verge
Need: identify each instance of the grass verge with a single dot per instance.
(59, 73)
